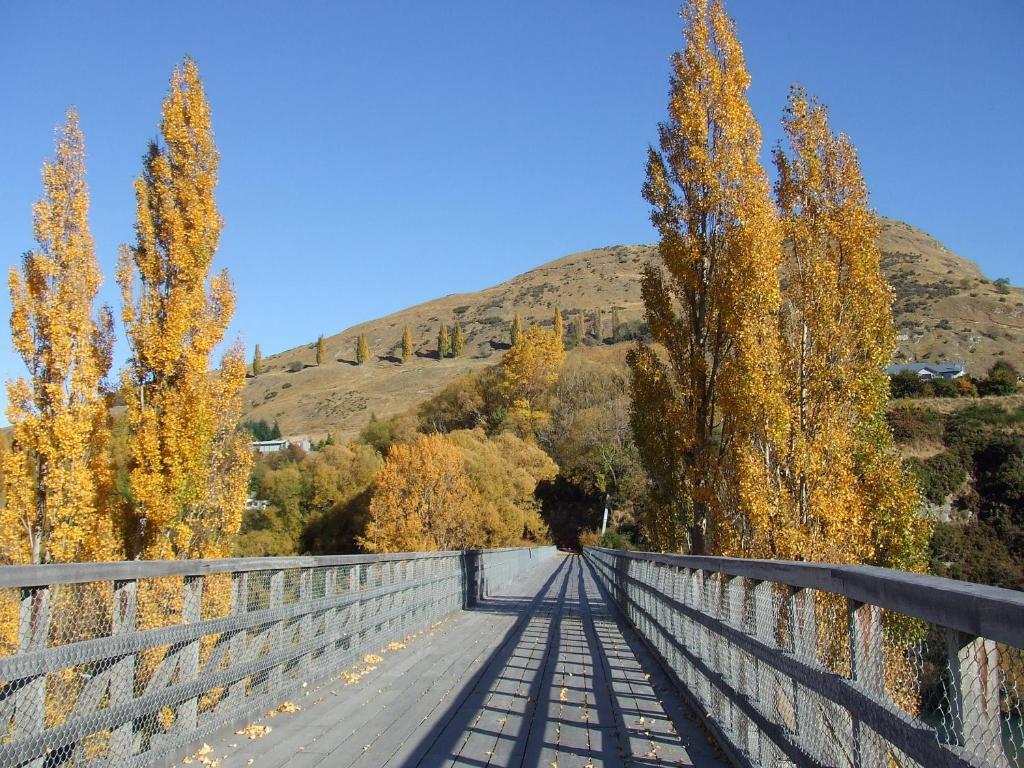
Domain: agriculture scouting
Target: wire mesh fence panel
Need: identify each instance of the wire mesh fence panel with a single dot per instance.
(119, 664)
(803, 664)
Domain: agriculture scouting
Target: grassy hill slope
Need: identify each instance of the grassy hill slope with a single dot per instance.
(946, 310)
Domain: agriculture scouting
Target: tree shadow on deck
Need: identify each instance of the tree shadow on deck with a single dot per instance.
(528, 720)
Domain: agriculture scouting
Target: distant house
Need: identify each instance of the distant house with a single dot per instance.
(270, 446)
(929, 371)
(281, 444)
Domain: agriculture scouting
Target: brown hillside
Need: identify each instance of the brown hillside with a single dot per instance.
(945, 311)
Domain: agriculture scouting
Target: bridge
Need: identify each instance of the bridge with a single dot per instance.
(514, 657)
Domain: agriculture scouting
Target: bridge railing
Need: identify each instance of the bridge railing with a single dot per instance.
(804, 664)
(119, 664)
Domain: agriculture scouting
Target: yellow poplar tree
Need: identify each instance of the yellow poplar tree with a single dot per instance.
(56, 475)
(407, 344)
(257, 361)
(189, 465)
(850, 498)
(559, 326)
(362, 349)
(715, 311)
(444, 343)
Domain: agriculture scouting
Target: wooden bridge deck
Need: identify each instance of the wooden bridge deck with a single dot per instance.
(546, 674)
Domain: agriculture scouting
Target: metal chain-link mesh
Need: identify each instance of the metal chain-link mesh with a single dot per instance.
(121, 671)
(787, 675)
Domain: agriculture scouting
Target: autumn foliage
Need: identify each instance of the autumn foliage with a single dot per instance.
(189, 466)
(712, 302)
(407, 344)
(57, 479)
(457, 491)
(759, 413)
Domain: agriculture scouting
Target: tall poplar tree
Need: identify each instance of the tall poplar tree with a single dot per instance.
(579, 329)
(714, 312)
(444, 344)
(189, 466)
(320, 350)
(458, 340)
(407, 344)
(362, 349)
(558, 326)
(517, 329)
(56, 475)
(616, 323)
(257, 361)
(849, 498)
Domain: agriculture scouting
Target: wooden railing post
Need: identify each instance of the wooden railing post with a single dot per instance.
(33, 635)
(122, 672)
(766, 620)
(330, 617)
(803, 633)
(277, 631)
(188, 658)
(975, 695)
(237, 644)
(306, 622)
(737, 672)
(867, 669)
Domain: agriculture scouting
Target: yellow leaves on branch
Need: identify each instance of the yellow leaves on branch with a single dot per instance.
(56, 474)
(190, 467)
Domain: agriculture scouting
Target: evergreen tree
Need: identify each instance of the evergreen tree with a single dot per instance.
(407, 345)
(517, 329)
(715, 314)
(444, 345)
(275, 432)
(458, 340)
(362, 349)
(558, 326)
(320, 353)
(257, 361)
(56, 474)
(190, 464)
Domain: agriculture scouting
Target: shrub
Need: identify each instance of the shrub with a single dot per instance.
(905, 384)
(940, 475)
(1001, 380)
(914, 425)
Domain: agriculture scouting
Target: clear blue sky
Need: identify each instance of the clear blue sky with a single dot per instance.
(379, 154)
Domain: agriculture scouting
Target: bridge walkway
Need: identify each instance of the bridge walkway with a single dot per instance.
(545, 674)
